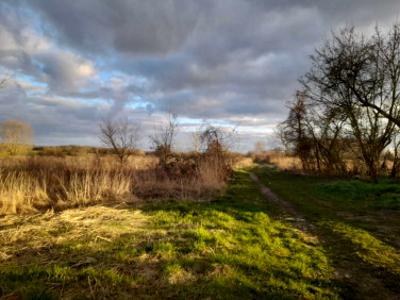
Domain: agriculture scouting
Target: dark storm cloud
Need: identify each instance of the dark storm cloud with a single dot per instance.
(231, 61)
(133, 27)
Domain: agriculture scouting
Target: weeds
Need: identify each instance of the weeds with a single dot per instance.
(39, 183)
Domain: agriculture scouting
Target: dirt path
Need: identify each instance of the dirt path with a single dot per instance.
(295, 217)
(358, 279)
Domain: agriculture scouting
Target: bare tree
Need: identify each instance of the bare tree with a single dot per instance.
(358, 78)
(212, 140)
(368, 68)
(16, 136)
(215, 144)
(163, 140)
(216, 139)
(294, 131)
(396, 155)
(121, 136)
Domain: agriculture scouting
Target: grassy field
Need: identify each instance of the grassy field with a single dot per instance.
(239, 246)
(226, 249)
(357, 222)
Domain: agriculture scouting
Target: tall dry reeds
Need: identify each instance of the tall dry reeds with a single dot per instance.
(37, 183)
(30, 184)
(20, 193)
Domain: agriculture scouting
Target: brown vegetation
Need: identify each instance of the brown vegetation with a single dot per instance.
(35, 183)
(59, 177)
(280, 159)
(15, 137)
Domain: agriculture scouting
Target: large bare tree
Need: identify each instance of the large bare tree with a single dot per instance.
(358, 78)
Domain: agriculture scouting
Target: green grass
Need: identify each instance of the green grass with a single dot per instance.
(361, 195)
(239, 246)
(358, 223)
(345, 193)
(230, 248)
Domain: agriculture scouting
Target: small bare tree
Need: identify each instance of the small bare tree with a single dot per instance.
(16, 136)
(163, 140)
(213, 140)
(3, 81)
(294, 131)
(216, 143)
(121, 136)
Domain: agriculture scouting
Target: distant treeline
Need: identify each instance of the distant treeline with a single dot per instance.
(74, 150)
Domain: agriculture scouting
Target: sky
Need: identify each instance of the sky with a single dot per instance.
(229, 63)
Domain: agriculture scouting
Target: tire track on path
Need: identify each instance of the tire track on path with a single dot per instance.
(296, 218)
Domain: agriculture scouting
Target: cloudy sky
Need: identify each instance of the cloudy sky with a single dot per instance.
(232, 63)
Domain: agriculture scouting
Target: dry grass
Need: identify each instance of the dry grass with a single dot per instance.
(92, 225)
(28, 184)
(353, 166)
(243, 162)
(286, 162)
(280, 160)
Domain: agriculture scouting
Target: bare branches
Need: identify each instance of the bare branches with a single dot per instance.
(121, 136)
(216, 139)
(163, 140)
(294, 131)
(358, 79)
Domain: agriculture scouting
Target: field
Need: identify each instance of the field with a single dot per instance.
(357, 223)
(239, 245)
(199, 150)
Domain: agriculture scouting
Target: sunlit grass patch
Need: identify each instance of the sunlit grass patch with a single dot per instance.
(78, 229)
(229, 248)
(246, 245)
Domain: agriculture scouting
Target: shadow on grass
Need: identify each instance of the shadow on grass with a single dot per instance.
(226, 249)
(367, 265)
